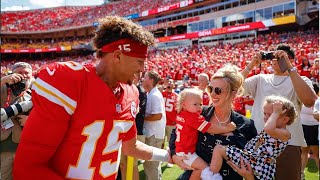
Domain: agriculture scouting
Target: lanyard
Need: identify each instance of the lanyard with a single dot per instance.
(8, 97)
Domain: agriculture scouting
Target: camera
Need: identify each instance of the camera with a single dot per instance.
(18, 88)
(15, 109)
(267, 55)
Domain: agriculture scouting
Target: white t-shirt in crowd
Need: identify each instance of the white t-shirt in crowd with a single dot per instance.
(263, 85)
(316, 109)
(306, 116)
(155, 105)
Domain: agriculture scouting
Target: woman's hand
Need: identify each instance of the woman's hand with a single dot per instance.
(178, 160)
(245, 169)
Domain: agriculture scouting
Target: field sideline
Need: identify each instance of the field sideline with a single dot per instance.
(311, 172)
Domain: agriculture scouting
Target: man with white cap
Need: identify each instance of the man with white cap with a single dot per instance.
(13, 89)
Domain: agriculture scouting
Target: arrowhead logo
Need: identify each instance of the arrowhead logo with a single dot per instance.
(50, 72)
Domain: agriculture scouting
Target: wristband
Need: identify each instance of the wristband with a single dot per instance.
(159, 155)
(247, 69)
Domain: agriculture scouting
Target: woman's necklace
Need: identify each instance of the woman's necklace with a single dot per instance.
(221, 123)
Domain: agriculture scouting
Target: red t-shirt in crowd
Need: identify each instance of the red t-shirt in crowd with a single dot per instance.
(193, 72)
(306, 71)
(205, 98)
(170, 100)
(239, 105)
(76, 127)
(180, 74)
(187, 129)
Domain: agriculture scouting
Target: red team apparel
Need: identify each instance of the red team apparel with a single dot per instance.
(187, 127)
(76, 127)
(205, 98)
(170, 99)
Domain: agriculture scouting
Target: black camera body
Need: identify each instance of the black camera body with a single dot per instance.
(267, 55)
(18, 88)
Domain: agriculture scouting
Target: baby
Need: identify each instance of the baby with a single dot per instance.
(189, 123)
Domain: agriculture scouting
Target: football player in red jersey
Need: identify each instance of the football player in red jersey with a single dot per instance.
(83, 115)
(203, 80)
(170, 100)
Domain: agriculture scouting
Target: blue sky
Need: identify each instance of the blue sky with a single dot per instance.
(16, 5)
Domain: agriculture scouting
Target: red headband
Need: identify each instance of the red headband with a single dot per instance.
(128, 47)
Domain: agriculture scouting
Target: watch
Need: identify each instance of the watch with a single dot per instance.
(292, 69)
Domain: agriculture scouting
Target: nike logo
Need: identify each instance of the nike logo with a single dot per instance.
(50, 72)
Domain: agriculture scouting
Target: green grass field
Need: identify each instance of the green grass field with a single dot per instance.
(311, 172)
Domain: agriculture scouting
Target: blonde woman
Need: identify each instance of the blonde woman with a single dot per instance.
(225, 85)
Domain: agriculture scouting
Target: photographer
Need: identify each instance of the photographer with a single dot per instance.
(14, 89)
(284, 81)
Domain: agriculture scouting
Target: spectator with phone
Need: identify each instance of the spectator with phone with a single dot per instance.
(285, 81)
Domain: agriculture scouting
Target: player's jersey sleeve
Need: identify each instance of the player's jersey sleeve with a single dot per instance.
(133, 96)
(197, 122)
(54, 96)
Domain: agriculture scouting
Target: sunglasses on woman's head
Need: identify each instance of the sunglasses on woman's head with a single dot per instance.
(217, 90)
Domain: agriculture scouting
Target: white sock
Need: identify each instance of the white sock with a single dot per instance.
(206, 174)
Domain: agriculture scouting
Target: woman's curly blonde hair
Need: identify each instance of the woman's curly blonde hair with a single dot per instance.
(231, 74)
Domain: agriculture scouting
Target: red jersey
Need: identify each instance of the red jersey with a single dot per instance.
(76, 126)
(205, 98)
(306, 71)
(180, 74)
(239, 105)
(187, 127)
(193, 72)
(170, 100)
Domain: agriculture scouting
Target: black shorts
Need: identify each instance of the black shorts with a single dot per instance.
(311, 134)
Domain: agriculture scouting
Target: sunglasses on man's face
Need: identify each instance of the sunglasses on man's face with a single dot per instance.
(216, 90)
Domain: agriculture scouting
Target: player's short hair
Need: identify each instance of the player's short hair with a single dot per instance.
(113, 28)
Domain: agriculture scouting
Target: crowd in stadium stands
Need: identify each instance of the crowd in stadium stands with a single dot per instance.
(62, 17)
(43, 44)
(187, 62)
(183, 64)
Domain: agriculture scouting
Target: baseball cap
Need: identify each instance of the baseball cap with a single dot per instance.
(21, 64)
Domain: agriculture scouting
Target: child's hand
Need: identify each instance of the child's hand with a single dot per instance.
(277, 108)
(231, 126)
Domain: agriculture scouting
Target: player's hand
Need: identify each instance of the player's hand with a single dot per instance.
(22, 119)
(12, 78)
(169, 157)
(178, 160)
(231, 126)
(244, 170)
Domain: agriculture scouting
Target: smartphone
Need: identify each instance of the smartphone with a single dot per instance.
(283, 65)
